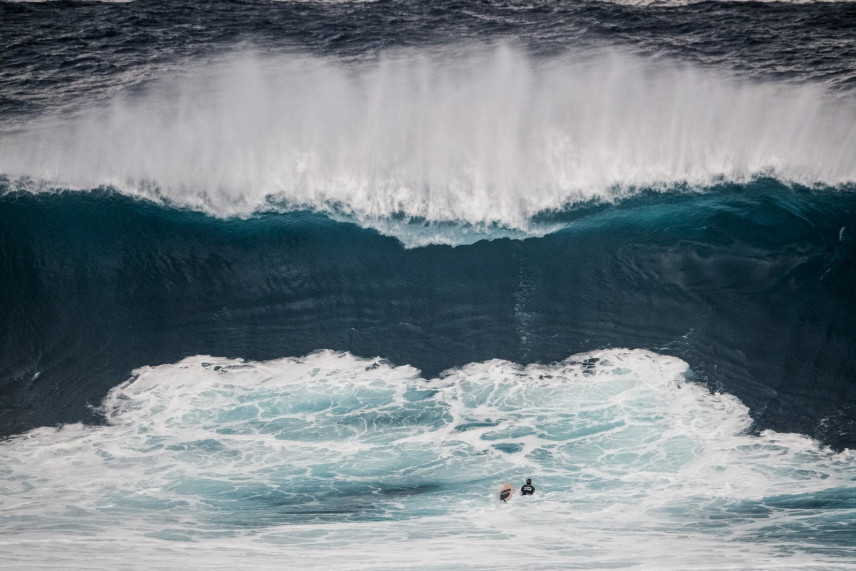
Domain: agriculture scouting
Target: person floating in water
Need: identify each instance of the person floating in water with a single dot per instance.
(528, 489)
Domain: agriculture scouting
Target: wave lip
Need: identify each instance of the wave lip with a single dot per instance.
(487, 137)
(257, 455)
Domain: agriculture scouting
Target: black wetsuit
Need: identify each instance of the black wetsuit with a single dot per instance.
(527, 490)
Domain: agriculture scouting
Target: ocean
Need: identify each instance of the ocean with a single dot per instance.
(295, 284)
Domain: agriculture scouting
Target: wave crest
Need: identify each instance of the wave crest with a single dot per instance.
(490, 137)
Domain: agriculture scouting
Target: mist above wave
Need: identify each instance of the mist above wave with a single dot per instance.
(484, 136)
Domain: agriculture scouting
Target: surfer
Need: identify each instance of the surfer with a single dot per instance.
(528, 489)
(505, 493)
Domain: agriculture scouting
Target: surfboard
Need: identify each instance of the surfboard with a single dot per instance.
(505, 493)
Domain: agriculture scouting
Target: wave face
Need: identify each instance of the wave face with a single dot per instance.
(248, 459)
(750, 285)
(487, 139)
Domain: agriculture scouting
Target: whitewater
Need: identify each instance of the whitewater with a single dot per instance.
(437, 137)
(356, 463)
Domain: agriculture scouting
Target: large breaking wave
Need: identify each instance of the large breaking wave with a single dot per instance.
(190, 196)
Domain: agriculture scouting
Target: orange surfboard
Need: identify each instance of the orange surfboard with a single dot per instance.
(505, 493)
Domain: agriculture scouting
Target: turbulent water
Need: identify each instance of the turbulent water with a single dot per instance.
(305, 283)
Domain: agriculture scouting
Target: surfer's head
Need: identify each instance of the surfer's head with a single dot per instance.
(528, 480)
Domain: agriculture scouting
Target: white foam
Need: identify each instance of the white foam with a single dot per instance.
(486, 137)
(351, 463)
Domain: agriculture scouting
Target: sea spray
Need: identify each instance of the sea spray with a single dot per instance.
(485, 136)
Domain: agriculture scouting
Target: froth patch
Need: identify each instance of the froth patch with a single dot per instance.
(329, 452)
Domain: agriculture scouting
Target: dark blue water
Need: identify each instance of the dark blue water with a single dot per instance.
(50, 47)
(752, 285)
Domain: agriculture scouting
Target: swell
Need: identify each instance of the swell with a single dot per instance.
(751, 285)
(59, 55)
